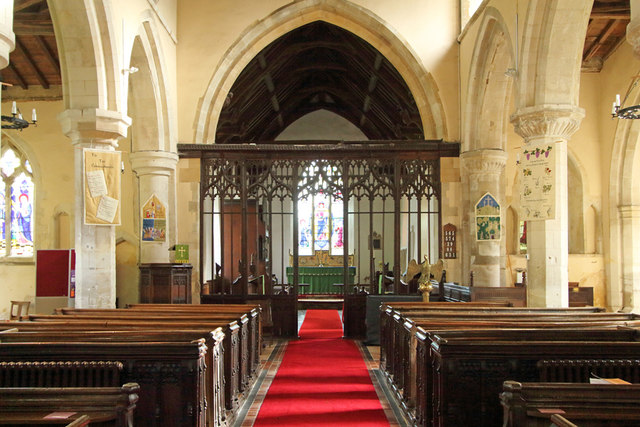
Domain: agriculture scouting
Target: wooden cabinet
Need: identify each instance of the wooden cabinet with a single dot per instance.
(165, 283)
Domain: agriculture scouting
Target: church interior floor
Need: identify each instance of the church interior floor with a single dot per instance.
(272, 356)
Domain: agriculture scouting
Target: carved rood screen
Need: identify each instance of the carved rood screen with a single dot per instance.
(377, 205)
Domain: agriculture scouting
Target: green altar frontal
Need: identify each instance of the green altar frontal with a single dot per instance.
(321, 279)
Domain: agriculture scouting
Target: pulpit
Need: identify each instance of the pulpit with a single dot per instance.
(165, 283)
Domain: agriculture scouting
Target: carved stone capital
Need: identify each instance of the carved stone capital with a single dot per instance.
(633, 36)
(484, 161)
(549, 120)
(153, 162)
(94, 126)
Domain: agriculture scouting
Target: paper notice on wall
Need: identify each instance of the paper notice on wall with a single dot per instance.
(96, 183)
(107, 208)
(537, 172)
(102, 170)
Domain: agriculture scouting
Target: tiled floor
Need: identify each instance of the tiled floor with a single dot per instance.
(271, 358)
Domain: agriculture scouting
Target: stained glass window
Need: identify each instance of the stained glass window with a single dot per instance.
(305, 224)
(337, 226)
(16, 203)
(320, 218)
(321, 224)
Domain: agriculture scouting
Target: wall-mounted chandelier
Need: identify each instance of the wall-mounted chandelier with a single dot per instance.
(15, 120)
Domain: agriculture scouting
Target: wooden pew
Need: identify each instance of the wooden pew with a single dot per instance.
(101, 406)
(418, 393)
(214, 368)
(250, 336)
(467, 375)
(392, 316)
(588, 405)
(171, 375)
(394, 339)
(246, 344)
(398, 345)
(60, 374)
(141, 330)
(256, 317)
(403, 367)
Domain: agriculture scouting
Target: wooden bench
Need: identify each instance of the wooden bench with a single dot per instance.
(222, 367)
(247, 344)
(171, 375)
(60, 374)
(395, 337)
(405, 363)
(533, 404)
(254, 312)
(214, 368)
(467, 375)
(100, 406)
(251, 335)
(237, 375)
(398, 346)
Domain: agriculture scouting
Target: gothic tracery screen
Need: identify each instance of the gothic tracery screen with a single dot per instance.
(262, 206)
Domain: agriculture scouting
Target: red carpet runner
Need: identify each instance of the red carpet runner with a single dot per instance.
(322, 380)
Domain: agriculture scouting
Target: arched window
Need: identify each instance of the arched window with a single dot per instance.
(321, 224)
(17, 192)
(320, 215)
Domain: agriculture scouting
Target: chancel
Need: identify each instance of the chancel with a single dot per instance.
(406, 213)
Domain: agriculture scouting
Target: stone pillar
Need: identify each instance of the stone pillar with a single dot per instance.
(630, 215)
(483, 172)
(94, 244)
(633, 28)
(630, 221)
(548, 241)
(7, 38)
(155, 170)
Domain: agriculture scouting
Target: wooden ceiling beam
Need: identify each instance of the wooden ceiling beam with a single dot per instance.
(21, 81)
(41, 78)
(48, 54)
(601, 39)
(20, 5)
(30, 24)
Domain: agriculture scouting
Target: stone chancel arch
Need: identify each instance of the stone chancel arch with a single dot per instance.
(343, 14)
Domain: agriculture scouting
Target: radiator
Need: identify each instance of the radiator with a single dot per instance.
(580, 370)
(60, 374)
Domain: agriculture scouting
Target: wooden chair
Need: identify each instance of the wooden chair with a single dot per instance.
(19, 310)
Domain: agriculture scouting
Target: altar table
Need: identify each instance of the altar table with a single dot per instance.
(321, 279)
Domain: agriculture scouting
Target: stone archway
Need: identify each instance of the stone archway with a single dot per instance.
(152, 160)
(484, 157)
(623, 292)
(547, 112)
(346, 15)
(91, 86)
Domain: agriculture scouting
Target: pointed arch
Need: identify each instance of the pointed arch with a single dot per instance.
(342, 13)
(88, 54)
(554, 33)
(148, 96)
(490, 86)
(624, 215)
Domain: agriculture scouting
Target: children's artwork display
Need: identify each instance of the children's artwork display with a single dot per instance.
(487, 212)
(537, 169)
(154, 220)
